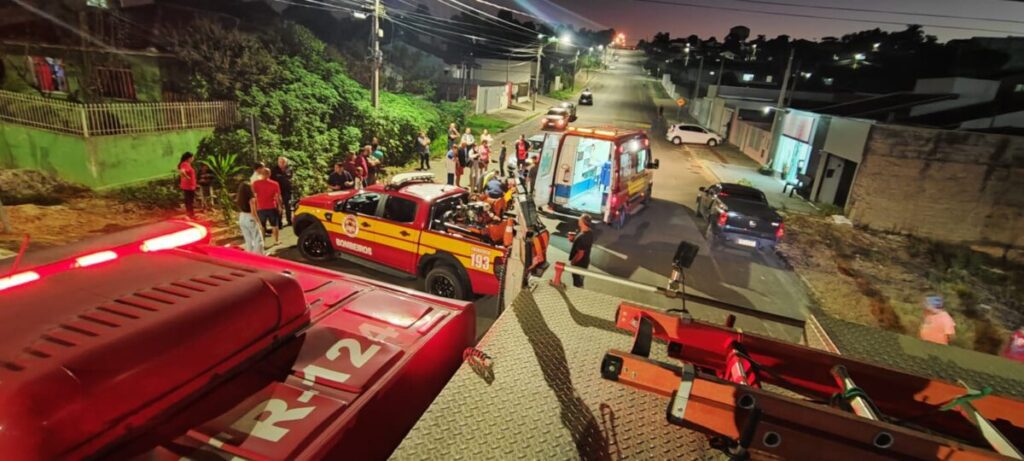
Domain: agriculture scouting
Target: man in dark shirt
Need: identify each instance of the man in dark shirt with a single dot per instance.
(282, 173)
(579, 255)
(340, 179)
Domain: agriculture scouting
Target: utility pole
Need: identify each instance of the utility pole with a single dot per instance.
(779, 106)
(536, 88)
(721, 70)
(785, 80)
(700, 73)
(377, 58)
(792, 88)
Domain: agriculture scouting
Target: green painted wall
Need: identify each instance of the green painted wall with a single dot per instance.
(98, 162)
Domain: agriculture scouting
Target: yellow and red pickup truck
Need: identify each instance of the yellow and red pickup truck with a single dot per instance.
(418, 227)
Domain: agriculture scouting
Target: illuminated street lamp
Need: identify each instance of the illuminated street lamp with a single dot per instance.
(875, 46)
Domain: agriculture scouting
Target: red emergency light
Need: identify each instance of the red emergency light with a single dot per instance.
(175, 238)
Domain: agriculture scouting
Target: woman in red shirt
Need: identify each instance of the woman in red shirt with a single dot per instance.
(187, 182)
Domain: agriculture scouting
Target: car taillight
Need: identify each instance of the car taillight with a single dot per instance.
(780, 231)
(722, 218)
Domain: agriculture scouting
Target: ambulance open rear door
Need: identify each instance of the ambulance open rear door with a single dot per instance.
(544, 182)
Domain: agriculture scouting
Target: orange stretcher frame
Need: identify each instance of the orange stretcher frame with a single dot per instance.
(723, 368)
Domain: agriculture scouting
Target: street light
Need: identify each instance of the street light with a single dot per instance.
(565, 39)
(875, 46)
(544, 40)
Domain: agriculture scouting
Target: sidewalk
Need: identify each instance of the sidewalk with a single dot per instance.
(728, 164)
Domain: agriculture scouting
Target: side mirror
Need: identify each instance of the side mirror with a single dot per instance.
(654, 165)
(701, 188)
(339, 205)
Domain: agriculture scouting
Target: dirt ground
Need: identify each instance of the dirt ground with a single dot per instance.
(880, 279)
(75, 219)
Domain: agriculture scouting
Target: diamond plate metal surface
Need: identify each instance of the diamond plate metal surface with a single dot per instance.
(547, 399)
(915, 356)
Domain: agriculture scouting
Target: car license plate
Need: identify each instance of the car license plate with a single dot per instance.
(747, 243)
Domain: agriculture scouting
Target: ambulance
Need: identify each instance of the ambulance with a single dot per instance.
(607, 173)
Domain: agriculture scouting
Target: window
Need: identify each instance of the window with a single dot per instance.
(49, 74)
(748, 77)
(626, 166)
(115, 83)
(97, 4)
(400, 209)
(365, 204)
(641, 160)
(1019, 88)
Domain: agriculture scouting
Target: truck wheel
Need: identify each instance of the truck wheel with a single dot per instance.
(647, 196)
(444, 281)
(677, 140)
(314, 244)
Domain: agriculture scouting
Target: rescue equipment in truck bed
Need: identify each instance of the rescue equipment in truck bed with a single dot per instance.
(150, 342)
(856, 410)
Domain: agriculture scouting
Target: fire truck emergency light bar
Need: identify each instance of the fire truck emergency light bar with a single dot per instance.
(178, 234)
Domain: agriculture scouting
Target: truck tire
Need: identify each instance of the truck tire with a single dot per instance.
(444, 281)
(314, 244)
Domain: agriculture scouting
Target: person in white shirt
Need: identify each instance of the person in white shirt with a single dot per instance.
(468, 139)
(485, 137)
(451, 164)
(474, 169)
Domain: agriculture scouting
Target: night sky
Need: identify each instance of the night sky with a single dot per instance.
(641, 20)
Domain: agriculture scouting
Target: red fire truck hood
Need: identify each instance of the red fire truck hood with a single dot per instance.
(89, 355)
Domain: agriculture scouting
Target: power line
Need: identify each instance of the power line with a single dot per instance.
(831, 18)
(517, 52)
(510, 10)
(485, 15)
(868, 10)
(430, 21)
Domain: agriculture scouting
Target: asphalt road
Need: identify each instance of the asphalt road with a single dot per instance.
(642, 250)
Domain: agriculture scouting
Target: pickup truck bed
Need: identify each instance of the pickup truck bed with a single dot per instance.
(547, 399)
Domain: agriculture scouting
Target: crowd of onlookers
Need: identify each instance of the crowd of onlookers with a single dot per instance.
(265, 200)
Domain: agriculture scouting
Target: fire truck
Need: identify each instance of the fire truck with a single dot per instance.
(152, 343)
(456, 244)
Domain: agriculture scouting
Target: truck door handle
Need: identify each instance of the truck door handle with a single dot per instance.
(365, 224)
(404, 234)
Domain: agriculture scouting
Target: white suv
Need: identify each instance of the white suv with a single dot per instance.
(691, 134)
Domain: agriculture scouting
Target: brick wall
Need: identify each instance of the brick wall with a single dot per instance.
(947, 185)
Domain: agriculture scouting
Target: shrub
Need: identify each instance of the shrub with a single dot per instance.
(161, 194)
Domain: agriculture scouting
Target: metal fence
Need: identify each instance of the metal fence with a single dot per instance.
(113, 118)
